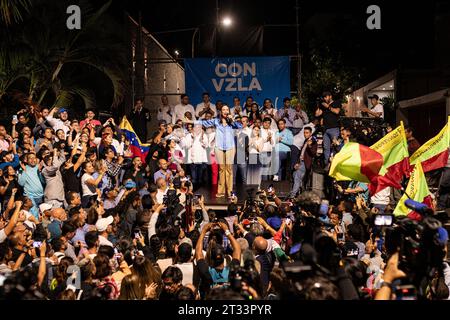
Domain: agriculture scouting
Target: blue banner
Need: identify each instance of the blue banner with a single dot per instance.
(225, 78)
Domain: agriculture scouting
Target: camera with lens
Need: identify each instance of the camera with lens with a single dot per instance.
(420, 252)
(174, 209)
(241, 276)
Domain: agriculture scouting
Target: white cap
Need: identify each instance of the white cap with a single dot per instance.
(44, 207)
(103, 223)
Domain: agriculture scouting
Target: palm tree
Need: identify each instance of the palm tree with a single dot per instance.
(12, 10)
(58, 63)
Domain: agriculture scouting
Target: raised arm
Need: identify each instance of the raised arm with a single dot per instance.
(199, 245)
(234, 244)
(153, 220)
(81, 159)
(95, 182)
(15, 217)
(42, 264)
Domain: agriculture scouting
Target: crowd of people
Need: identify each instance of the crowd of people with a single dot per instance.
(85, 217)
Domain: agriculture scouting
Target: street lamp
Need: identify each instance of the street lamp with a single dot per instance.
(177, 53)
(227, 21)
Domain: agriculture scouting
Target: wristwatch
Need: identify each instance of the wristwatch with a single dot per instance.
(227, 233)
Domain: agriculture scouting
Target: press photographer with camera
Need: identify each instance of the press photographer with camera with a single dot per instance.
(329, 110)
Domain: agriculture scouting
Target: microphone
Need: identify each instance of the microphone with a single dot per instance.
(228, 119)
(417, 206)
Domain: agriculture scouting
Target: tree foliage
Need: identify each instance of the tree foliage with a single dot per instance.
(53, 65)
(326, 72)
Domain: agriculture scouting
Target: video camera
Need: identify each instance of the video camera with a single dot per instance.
(253, 203)
(174, 209)
(420, 252)
(246, 274)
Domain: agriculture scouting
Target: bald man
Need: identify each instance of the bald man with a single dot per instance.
(260, 245)
(266, 251)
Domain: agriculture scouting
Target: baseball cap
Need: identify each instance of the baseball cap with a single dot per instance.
(442, 236)
(44, 207)
(130, 184)
(350, 249)
(374, 96)
(62, 110)
(103, 223)
(274, 222)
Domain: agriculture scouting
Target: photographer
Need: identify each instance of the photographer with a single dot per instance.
(329, 110)
(216, 273)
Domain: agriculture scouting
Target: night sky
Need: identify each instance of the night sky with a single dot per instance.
(406, 38)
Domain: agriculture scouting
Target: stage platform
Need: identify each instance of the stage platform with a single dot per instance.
(282, 189)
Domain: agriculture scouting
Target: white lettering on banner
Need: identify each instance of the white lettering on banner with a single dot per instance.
(235, 70)
(219, 71)
(218, 86)
(251, 69)
(254, 84)
(232, 83)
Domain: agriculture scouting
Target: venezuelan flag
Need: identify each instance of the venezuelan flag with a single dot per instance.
(138, 148)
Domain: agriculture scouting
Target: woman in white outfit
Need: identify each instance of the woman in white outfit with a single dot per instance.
(194, 145)
(256, 145)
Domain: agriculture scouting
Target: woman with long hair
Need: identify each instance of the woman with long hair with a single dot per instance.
(225, 148)
(254, 113)
(131, 289)
(174, 156)
(8, 183)
(148, 274)
(102, 277)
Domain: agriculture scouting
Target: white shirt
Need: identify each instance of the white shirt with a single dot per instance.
(29, 223)
(241, 113)
(195, 148)
(165, 113)
(115, 143)
(255, 142)
(200, 108)
(180, 110)
(378, 108)
(187, 269)
(104, 242)
(299, 123)
(3, 235)
(247, 131)
(268, 145)
(270, 111)
(299, 138)
(381, 197)
(59, 124)
(88, 190)
(210, 134)
(160, 196)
